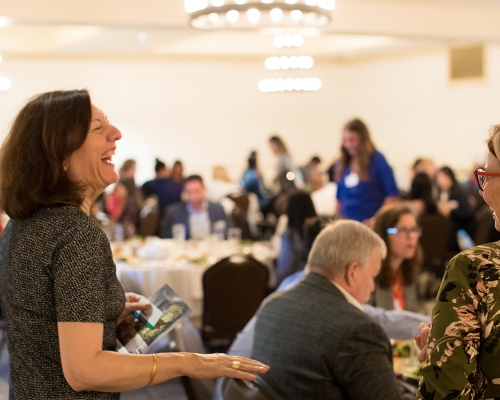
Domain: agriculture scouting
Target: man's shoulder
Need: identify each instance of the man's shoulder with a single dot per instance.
(215, 207)
(175, 208)
(318, 295)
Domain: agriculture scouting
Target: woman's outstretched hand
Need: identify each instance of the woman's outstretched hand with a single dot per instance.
(219, 365)
(132, 303)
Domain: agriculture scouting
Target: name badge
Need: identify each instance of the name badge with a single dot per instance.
(351, 180)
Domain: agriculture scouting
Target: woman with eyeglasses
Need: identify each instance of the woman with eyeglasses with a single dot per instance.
(461, 350)
(395, 287)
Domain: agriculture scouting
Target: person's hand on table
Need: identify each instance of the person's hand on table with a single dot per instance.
(203, 366)
(132, 303)
(421, 340)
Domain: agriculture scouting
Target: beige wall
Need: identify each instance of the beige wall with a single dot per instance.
(208, 113)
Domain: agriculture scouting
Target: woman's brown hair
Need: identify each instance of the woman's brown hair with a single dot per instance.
(388, 217)
(280, 145)
(365, 150)
(45, 132)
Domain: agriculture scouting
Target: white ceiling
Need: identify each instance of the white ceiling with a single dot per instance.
(109, 28)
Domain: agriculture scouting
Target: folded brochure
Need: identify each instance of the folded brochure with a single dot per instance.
(137, 333)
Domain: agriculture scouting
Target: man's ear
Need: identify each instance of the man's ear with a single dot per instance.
(350, 273)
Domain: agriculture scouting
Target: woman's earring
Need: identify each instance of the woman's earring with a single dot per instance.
(65, 168)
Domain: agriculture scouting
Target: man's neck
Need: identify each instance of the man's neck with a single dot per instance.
(344, 289)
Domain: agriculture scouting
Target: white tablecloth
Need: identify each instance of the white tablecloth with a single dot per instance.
(183, 275)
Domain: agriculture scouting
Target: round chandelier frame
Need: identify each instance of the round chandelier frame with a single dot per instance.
(257, 15)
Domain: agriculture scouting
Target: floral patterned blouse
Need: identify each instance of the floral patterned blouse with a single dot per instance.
(463, 356)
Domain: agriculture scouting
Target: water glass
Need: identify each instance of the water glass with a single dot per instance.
(179, 232)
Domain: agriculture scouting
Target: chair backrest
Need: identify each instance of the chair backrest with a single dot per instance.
(233, 289)
(241, 201)
(149, 217)
(434, 239)
(240, 221)
(188, 339)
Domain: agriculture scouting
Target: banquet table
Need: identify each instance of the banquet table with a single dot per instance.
(181, 265)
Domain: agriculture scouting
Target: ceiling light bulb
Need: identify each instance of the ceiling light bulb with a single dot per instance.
(232, 16)
(298, 40)
(291, 1)
(4, 21)
(272, 63)
(142, 36)
(272, 85)
(289, 84)
(266, 1)
(306, 84)
(311, 2)
(297, 84)
(279, 41)
(253, 15)
(0, 58)
(296, 15)
(288, 39)
(309, 62)
(191, 6)
(315, 84)
(327, 4)
(263, 85)
(280, 83)
(276, 14)
(217, 3)
(5, 84)
(294, 62)
(213, 17)
(268, 63)
(284, 62)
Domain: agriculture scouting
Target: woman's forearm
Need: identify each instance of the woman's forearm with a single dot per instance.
(115, 372)
(87, 367)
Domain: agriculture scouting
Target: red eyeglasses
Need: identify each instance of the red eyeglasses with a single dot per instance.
(481, 175)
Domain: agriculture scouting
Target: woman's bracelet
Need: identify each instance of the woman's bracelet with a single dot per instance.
(153, 372)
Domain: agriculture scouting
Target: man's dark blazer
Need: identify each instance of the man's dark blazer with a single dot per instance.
(178, 214)
(319, 346)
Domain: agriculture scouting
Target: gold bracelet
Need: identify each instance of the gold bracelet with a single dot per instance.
(153, 372)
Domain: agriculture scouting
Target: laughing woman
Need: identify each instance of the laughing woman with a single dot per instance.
(60, 296)
(463, 351)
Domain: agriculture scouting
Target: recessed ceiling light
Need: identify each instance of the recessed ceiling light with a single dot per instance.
(4, 21)
(142, 36)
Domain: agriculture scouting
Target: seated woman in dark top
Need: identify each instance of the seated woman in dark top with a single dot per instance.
(294, 250)
(420, 198)
(395, 286)
(60, 296)
(453, 203)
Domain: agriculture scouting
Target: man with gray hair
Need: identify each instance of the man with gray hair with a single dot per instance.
(315, 337)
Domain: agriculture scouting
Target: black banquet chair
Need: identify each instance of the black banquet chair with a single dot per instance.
(233, 289)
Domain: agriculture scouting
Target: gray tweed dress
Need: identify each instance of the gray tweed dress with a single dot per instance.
(55, 266)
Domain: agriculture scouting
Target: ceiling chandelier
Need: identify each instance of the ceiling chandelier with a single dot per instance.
(254, 14)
